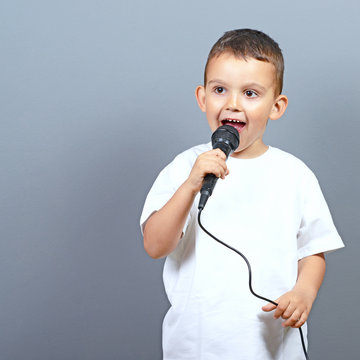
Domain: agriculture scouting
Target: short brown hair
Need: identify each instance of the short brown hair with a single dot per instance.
(248, 43)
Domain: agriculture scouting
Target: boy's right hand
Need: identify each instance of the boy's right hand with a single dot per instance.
(210, 162)
(163, 229)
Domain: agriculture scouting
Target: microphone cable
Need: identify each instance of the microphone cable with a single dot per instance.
(250, 276)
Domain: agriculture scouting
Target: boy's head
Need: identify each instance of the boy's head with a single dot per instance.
(243, 83)
(248, 43)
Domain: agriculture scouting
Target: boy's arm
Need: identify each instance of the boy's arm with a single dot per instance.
(295, 305)
(163, 229)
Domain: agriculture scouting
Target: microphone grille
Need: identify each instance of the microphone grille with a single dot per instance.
(226, 134)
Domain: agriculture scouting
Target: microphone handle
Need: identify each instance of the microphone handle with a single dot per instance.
(207, 189)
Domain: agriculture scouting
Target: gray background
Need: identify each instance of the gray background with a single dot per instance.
(98, 96)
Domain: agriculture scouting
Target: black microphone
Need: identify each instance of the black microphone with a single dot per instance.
(225, 138)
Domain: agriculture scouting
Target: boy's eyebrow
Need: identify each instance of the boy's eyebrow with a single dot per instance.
(252, 84)
(217, 81)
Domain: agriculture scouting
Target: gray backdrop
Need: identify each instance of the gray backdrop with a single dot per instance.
(98, 96)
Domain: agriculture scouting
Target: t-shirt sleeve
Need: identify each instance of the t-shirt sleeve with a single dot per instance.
(317, 233)
(164, 187)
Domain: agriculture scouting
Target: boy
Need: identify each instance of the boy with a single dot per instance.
(270, 207)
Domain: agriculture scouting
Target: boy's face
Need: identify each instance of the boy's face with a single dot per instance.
(241, 93)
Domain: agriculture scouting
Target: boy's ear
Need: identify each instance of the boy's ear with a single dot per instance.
(200, 97)
(278, 107)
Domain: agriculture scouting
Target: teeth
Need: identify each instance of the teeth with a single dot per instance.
(234, 121)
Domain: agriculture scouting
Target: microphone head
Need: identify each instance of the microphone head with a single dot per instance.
(225, 138)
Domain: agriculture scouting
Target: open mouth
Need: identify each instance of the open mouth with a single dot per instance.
(237, 124)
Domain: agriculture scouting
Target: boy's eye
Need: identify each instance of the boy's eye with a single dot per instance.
(219, 90)
(250, 93)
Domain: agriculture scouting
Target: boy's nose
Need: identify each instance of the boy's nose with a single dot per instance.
(233, 103)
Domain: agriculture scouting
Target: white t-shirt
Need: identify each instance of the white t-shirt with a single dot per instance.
(271, 209)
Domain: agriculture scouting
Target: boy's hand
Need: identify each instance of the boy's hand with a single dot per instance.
(210, 162)
(294, 306)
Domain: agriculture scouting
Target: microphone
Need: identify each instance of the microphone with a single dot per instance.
(225, 138)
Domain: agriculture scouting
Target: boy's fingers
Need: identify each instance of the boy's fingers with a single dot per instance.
(301, 321)
(221, 170)
(226, 172)
(289, 312)
(268, 307)
(220, 153)
(209, 166)
(280, 309)
(293, 320)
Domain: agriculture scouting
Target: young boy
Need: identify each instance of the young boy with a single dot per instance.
(269, 206)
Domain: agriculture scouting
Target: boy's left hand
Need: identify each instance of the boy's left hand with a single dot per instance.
(294, 306)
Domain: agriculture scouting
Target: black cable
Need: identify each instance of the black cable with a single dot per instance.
(250, 277)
